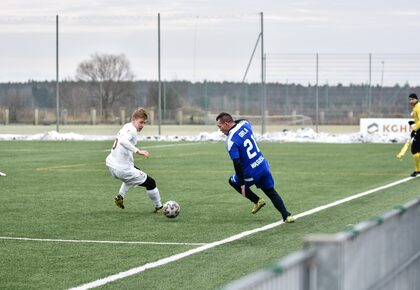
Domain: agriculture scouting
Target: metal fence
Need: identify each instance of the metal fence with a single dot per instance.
(382, 253)
(199, 75)
(327, 103)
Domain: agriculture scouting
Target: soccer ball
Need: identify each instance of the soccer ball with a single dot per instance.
(171, 209)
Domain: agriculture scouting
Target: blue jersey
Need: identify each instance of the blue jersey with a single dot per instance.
(241, 144)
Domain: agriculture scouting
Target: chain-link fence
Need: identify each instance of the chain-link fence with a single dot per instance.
(190, 103)
(316, 88)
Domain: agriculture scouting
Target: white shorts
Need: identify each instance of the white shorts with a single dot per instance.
(130, 176)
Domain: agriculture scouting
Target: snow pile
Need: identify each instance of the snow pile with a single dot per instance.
(309, 135)
(301, 135)
(54, 136)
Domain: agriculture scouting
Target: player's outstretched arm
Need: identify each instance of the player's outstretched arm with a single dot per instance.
(143, 152)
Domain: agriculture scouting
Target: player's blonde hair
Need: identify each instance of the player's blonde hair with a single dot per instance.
(139, 113)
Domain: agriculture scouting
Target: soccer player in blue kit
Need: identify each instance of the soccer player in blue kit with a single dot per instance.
(251, 167)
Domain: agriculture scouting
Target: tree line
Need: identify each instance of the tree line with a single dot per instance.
(106, 83)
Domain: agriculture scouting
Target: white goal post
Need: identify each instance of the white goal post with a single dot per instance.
(293, 119)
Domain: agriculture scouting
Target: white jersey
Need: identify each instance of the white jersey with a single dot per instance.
(121, 156)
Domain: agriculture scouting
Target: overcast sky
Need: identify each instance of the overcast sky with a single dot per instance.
(210, 39)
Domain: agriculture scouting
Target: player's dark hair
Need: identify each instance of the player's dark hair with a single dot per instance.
(413, 96)
(224, 117)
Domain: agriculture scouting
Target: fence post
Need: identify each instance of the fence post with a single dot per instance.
(208, 117)
(350, 117)
(65, 115)
(152, 117)
(36, 116)
(93, 115)
(6, 117)
(179, 116)
(122, 116)
(321, 117)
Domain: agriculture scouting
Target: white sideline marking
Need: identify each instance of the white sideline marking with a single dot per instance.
(109, 150)
(172, 145)
(205, 247)
(101, 242)
(166, 145)
(320, 208)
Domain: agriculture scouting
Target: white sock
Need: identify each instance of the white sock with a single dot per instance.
(123, 189)
(155, 197)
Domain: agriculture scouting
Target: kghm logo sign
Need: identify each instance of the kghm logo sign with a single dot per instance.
(373, 128)
(396, 128)
(384, 126)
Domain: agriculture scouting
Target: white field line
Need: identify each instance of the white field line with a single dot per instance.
(205, 247)
(100, 242)
(166, 145)
(173, 145)
(108, 150)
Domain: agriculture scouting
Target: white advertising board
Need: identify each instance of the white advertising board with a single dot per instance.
(384, 125)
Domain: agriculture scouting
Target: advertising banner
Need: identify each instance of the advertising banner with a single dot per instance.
(384, 125)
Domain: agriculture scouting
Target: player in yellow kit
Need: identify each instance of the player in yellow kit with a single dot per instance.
(415, 133)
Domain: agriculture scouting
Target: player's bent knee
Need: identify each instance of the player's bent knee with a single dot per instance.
(150, 183)
(232, 183)
(235, 186)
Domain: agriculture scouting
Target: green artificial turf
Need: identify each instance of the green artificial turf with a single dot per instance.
(63, 191)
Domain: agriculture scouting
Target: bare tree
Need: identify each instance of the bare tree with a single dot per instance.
(109, 78)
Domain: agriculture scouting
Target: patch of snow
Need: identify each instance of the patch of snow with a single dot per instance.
(302, 135)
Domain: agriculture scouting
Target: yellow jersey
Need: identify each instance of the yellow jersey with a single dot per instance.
(416, 115)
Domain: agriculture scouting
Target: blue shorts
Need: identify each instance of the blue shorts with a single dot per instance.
(263, 181)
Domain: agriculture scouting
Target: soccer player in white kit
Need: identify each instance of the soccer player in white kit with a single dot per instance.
(121, 162)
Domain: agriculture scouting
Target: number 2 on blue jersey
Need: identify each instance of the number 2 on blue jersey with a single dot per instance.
(249, 145)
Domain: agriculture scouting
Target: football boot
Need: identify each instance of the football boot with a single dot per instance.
(119, 201)
(258, 206)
